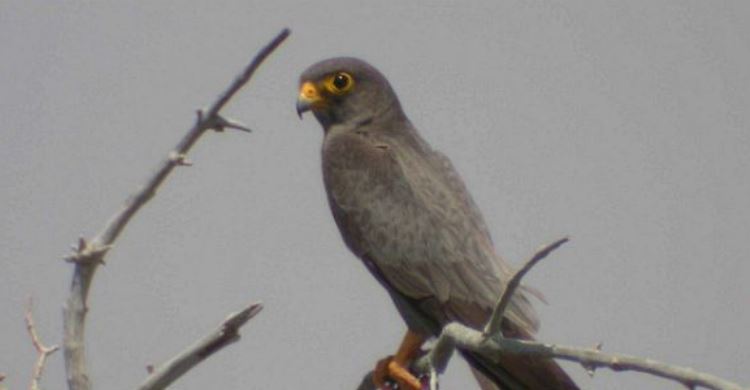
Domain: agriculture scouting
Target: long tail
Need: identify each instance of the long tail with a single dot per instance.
(519, 372)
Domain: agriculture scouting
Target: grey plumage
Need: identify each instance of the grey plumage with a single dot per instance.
(402, 208)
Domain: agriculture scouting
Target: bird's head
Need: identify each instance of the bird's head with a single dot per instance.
(346, 90)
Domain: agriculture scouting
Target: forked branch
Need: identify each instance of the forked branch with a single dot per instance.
(42, 351)
(491, 343)
(88, 254)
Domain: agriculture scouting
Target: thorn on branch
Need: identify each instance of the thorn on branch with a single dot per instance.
(589, 367)
(224, 123)
(218, 123)
(88, 253)
(180, 159)
(81, 243)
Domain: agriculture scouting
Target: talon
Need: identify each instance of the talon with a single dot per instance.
(388, 370)
(380, 375)
(403, 377)
(395, 368)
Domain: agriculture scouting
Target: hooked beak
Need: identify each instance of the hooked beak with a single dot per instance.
(309, 98)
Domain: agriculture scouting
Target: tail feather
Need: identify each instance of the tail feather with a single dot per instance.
(515, 372)
(484, 382)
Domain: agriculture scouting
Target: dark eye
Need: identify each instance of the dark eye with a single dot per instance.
(341, 81)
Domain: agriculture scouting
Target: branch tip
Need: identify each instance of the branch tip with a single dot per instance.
(493, 325)
(236, 320)
(226, 334)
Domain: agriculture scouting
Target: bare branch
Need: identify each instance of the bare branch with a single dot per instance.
(493, 325)
(42, 351)
(469, 339)
(89, 254)
(491, 343)
(226, 334)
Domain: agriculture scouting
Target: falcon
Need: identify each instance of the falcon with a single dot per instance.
(404, 211)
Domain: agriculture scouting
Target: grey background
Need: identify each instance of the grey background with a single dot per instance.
(622, 124)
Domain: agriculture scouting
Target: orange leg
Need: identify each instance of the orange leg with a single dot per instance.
(396, 367)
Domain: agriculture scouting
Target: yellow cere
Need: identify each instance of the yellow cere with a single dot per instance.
(308, 92)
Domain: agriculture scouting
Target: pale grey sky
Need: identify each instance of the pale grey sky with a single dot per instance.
(623, 124)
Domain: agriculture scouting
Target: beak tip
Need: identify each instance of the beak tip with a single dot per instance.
(302, 107)
(308, 98)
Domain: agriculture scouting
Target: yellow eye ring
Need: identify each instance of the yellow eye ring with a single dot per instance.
(339, 83)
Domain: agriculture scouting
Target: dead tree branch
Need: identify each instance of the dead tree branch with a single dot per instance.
(491, 343)
(42, 351)
(225, 335)
(590, 358)
(88, 254)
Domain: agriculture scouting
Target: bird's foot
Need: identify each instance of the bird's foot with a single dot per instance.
(389, 368)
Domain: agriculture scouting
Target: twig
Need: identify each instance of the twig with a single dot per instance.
(89, 254)
(493, 325)
(42, 351)
(226, 334)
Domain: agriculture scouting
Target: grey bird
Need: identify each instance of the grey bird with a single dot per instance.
(404, 211)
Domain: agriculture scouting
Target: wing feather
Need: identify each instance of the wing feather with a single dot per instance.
(403, 205)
